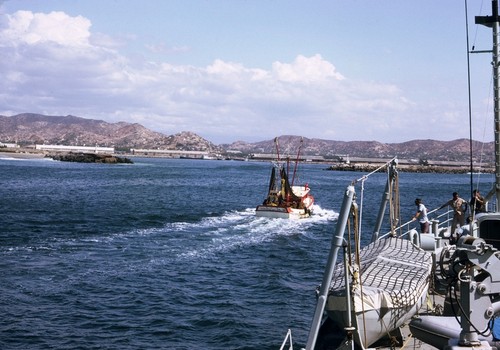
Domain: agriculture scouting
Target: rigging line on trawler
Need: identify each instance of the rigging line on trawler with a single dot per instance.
(297, 160)
(276, 144)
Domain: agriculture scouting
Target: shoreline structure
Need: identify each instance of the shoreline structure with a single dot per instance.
(365, 166)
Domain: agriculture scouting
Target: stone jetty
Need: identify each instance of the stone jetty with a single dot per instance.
(365, 167)
(89, 158)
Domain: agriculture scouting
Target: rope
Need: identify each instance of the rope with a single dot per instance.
(358, 241)
(396, 206)
(407, 341)
(357, 245)
(391, 204)
(349, 236)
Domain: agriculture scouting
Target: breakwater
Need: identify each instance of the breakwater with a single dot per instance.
(89, 158)
(366, 167)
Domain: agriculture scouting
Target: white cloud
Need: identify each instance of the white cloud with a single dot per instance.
(56, 27)
(306, 69)
(52, 63)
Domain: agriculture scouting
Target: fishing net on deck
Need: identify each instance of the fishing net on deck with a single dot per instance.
(393, 274)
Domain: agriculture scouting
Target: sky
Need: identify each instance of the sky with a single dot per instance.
(249, 70)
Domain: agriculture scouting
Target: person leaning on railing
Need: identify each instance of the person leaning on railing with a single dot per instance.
(421, 214)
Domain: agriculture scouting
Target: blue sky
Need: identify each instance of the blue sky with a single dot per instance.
(250, 70)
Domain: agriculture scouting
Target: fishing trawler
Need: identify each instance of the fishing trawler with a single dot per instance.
(284, 198)
(412, 290)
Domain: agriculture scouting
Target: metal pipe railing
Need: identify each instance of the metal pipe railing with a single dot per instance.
(405, 227)
(288, 339)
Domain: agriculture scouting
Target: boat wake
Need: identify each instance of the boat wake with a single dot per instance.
(203, 239)
(237, 229)
(320, 214)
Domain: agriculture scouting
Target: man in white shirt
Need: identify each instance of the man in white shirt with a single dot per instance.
(421, 215)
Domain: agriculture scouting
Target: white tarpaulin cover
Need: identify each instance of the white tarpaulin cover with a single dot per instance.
(390, 287)
(393, 273)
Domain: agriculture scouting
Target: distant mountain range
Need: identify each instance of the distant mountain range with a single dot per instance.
(29, 129)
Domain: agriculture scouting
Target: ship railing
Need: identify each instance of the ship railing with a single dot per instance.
(288, 340)
(440, 224)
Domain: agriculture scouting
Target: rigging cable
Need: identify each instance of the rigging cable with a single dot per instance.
(297, 160)
(481, 152)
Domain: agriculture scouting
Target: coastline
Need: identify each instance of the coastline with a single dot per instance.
(359, 167)
(21, 154)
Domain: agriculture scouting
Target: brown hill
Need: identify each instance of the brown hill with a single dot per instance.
(456, 150)
(28, 129)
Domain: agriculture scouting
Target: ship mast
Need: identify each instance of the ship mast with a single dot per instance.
(493, 22)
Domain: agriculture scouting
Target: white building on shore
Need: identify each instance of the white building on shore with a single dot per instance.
(9, 145)
(84, 149)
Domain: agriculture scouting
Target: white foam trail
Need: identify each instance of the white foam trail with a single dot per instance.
(323, 214)
(242, 228)
(211, 235)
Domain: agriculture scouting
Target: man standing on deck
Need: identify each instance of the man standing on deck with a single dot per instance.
(459, 208)
(421, 214)
(477, 203)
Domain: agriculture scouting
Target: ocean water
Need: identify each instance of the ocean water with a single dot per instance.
(168, 254)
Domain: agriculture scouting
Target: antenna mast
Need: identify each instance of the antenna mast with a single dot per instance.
(493, 22)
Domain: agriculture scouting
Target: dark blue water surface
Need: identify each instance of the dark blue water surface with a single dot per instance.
(168, 254)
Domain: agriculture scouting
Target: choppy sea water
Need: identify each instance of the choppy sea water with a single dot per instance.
(168, 254)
